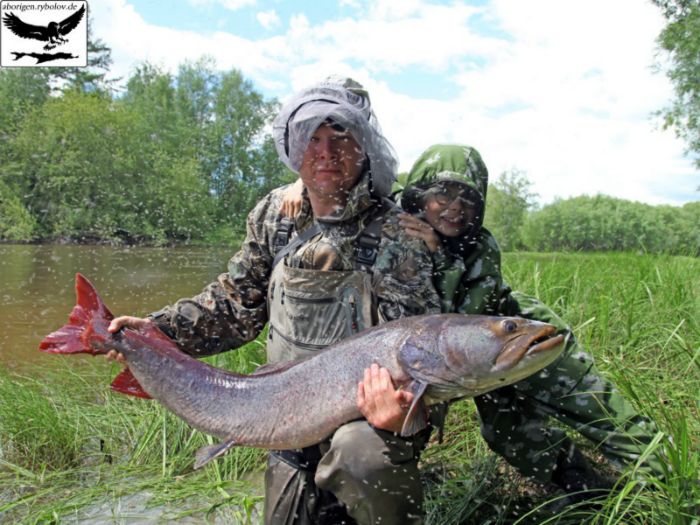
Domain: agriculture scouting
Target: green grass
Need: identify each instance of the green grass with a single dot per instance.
(638, 315)
(69, 448)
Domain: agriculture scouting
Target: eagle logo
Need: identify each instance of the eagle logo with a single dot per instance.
(52, 33)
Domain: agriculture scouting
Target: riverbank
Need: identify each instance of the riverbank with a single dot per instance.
(129, 241)
(71, 448)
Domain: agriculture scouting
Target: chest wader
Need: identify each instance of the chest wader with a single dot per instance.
(312, 309)
(308, 311)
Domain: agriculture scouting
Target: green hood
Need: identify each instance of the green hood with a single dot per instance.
(442, 162)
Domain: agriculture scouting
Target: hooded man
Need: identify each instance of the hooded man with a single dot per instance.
(343, 264)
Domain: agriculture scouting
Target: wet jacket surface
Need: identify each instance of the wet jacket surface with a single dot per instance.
(233, 310)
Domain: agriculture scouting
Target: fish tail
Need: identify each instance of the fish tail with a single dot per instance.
(86, 333)
(87, 324)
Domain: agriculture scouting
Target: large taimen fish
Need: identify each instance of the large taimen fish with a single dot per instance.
(297, 404)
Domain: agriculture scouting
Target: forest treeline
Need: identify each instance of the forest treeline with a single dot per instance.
(587, 223)
(183, 157)
(172, 158)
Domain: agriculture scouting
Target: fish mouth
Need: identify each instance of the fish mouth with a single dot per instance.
(527, 345)
(545, 344)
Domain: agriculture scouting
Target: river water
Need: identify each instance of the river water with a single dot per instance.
(37, 287)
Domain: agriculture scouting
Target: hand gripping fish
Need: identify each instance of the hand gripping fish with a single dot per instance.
(300, 403)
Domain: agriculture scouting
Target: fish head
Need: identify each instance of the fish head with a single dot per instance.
(467, 355)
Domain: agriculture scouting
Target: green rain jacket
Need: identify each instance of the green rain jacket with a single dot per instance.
(468, 278)
(467, 270)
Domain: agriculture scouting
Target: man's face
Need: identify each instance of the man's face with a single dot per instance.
(332, 164)
(450, 208)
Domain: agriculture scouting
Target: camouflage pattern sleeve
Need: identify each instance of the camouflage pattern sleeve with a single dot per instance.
(232, 310)
(403, 275)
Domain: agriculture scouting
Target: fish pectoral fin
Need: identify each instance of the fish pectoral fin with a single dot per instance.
(126, 383)
(417, 418)
(205, 454)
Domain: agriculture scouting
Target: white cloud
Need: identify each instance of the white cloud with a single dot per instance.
(415, 35)
(114, 19)
(232, 5)
(268, 19)
(562, 90)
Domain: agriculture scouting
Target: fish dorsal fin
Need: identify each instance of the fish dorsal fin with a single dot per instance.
(126, 383)
(416, 419)
(205, 454)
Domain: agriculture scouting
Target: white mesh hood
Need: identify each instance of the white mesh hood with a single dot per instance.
(346, 103)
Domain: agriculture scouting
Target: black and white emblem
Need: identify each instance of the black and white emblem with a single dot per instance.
(34, 29)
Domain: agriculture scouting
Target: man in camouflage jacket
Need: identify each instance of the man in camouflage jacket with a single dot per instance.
(355, 267)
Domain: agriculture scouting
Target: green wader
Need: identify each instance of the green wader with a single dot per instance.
(515, 419)
(372, 473)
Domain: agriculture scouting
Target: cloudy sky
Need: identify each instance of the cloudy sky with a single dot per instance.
(563, 90)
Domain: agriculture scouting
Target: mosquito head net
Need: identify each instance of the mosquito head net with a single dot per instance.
(342, 101)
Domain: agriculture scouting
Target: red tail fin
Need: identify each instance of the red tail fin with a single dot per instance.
(88, 324)
(89, 317)
(126, 383)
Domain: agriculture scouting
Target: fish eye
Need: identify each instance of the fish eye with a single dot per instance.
(510, 326)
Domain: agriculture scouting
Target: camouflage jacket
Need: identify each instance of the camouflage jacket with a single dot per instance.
(468, 269)
(471, 284)
(233, 310)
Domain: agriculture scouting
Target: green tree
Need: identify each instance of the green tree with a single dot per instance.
(218, 120)
(22, 90)
(177, 157)
(93, 78)
(603, 223)
(87, 169)
(27, 89)
(150, 93)
(16, 223)
(231, 142)
(681, 40)
(688, 230)
(508, 200)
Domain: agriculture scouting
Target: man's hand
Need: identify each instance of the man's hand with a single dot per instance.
(383, 406)
(291, 203)
(117, 324)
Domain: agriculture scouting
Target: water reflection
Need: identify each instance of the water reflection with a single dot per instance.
(37, 286)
